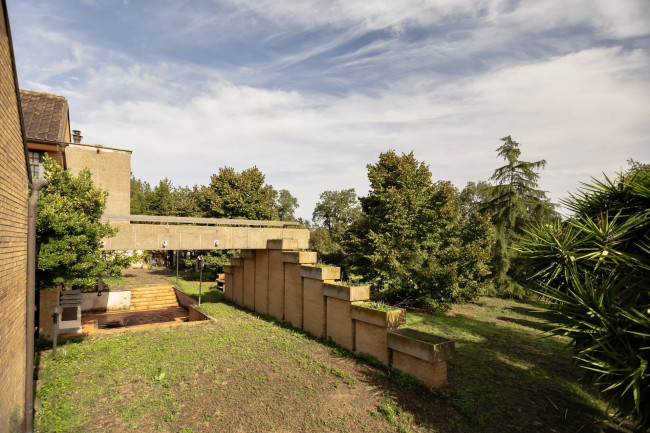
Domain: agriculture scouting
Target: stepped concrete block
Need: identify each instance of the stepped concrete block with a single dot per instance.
(276, 284)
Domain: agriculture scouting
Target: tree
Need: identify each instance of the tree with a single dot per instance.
(333, 214)
(239, 195)
(594, 269)
(68, 231)
(336, 209)
(412, 241)
(162, 200)
(286, 206)
(515, 201)
(140, 197)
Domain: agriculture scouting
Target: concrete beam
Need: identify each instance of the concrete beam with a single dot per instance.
(192, 237)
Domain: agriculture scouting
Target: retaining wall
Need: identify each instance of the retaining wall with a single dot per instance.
(286, 284)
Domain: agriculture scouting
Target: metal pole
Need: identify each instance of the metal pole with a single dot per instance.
(36, 186)
(177, 267)
(200, 284)
(55, 316)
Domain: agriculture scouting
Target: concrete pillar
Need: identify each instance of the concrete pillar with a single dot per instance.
(339, 324)
(238, 280)
(314, 306)
(276, 275)
(293, 284)
(249, 278)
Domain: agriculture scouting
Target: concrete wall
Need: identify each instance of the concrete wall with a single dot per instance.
(13, 242)
(184, 237)
(110, 170)
(106, 301)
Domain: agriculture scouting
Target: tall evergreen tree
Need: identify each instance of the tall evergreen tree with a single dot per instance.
(515, 201)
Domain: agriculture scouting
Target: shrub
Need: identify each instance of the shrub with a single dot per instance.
(594, 269)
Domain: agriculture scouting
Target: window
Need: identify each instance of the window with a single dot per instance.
(36, 164)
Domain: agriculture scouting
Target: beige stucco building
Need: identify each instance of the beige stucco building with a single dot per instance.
(47, 126)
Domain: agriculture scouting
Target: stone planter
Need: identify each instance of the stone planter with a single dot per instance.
(421, 355)
(314, 309)
(340, 325)
(292, 304)
(371, 330)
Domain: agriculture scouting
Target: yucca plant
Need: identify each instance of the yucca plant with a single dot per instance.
(594, 269)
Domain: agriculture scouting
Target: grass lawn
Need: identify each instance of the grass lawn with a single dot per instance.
(209, 290)
(245, 373)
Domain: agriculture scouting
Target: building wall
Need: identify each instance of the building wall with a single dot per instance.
(13, 244)
(110, 170)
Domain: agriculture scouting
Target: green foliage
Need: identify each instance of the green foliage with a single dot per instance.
(239, 195)
(164, 199)
(595, 269)
(68, 232)
(286, 205)
(412, 240)
(513, 203)
(336, 210)
(333, 214)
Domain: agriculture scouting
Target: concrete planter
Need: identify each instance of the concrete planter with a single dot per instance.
(421, 345)
(282, 244)
(371, 330)
(302, 257)
(346, 293)
(320, 273)
(385, 319)
(340, 326)
(421, 355)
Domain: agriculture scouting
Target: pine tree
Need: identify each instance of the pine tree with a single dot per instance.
(515, 201)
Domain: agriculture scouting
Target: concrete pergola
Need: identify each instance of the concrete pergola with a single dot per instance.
(147, 232)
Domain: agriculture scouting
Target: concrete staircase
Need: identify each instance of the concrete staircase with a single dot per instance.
(153, 296)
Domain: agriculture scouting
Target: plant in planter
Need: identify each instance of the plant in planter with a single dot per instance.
(372, 322)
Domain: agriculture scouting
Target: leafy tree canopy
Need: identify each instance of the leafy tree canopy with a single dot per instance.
(68, 231)
(412, 240)
(286, 205)
(239, 195)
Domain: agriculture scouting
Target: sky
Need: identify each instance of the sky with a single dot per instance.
(311, 91)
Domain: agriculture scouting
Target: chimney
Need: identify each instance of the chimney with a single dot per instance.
(76, 136)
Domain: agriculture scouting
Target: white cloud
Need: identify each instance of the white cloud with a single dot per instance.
(584, 113)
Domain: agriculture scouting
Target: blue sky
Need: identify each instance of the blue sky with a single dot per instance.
(310, 91)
